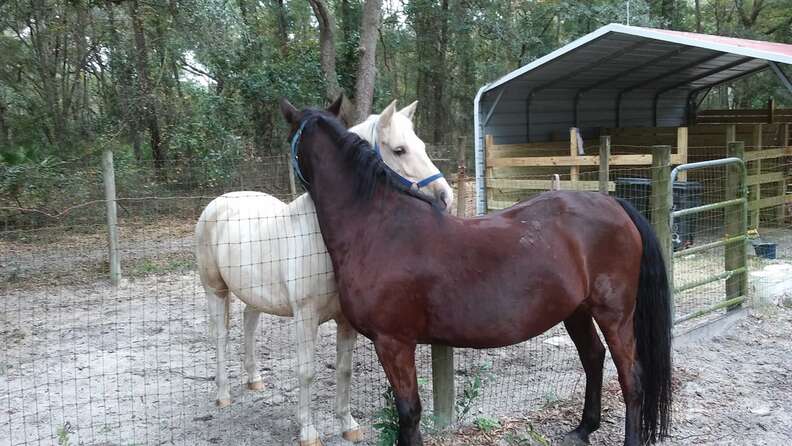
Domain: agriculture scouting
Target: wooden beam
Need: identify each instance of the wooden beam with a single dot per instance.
(768, 153)
(766, 202)
(509, 183)
(755, 168)
(496, 205)
(565, 161)
(764, 178)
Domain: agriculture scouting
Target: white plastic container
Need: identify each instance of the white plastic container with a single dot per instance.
(771, 283)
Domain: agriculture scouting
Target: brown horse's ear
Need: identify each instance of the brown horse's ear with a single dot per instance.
(335, 107)
(289, 111)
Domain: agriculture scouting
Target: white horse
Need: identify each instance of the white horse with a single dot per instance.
(271, 256)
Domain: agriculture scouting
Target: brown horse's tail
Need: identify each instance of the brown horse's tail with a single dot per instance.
(652, 325)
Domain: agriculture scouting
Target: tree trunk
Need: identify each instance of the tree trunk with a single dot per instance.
(283, 36)
(364, 87)
(5, 134)
(149, 106)
(144, 85)
(327, 50)
(698, 16)
(430, 21)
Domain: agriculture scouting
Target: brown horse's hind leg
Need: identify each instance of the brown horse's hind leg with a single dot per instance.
(580, 327)
(620, 337)
(398, 361)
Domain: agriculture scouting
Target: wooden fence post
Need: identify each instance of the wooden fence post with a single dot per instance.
(108, 175)
(682, 150)
(574, 171)
(755, 168)
(443, 391)
(461, 181)
(604, 159)
(660, 205)
(292, 184)
(781, 185)
(735, 225)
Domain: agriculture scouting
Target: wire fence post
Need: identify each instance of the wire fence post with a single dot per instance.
(660, 205)
(108, 175)
(443, 392)
(604, 160)
(735, 220)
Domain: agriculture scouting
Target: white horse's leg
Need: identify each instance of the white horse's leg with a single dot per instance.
(345, 343)
(218, 330)
(251, 317)
(306, 324)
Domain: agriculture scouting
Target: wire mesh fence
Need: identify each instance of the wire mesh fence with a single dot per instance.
(83, 362)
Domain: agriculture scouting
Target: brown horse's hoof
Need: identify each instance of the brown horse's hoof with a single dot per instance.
(573, 439)
(315, 442)
(355, 436)
(222, 403)
(256, 385)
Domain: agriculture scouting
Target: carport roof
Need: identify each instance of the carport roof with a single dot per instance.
(626, 58)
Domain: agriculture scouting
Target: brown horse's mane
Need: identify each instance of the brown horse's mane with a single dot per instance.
(370, 171)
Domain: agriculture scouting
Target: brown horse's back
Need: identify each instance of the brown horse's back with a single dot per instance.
(502, 278)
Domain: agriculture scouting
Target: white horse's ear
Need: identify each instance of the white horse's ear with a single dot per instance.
(289, 111)
(409, 111)
(386, 116)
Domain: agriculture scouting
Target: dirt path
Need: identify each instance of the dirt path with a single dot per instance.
(735, 389)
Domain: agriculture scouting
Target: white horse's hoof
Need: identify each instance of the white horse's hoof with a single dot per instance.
(355, 436)
(222, 403)
(314, 442)
(256, 385)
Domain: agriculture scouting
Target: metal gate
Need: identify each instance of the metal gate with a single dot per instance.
(735, 205)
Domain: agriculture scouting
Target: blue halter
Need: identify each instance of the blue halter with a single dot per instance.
(294, 158)
(404, 181)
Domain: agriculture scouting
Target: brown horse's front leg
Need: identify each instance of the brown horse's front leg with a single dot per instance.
(398, 361)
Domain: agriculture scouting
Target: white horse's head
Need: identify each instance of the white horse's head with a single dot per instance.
(392, 134)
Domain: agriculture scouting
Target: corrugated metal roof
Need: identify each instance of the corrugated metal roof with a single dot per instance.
(594, 48)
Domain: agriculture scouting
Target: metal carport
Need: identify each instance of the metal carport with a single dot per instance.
(616, 76)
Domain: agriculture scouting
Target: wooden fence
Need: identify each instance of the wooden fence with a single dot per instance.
(515, 171)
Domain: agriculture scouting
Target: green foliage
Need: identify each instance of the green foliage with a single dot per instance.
(386, 420)
(209, 72)
(474, 382)
(527, 437)
(63, 434)
(486, 424)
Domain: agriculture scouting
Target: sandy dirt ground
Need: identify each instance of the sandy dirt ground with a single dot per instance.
(84, 363)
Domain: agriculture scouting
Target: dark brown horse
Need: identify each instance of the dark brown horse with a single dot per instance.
(410, 274)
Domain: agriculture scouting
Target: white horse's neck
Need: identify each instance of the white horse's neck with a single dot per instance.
(367, 129)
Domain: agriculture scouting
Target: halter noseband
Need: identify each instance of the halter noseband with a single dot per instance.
(406, 182)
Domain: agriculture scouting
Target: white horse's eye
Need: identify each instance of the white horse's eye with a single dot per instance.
(399, 150)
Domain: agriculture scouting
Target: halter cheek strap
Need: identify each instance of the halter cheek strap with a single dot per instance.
(406, 182)
(294, 158)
